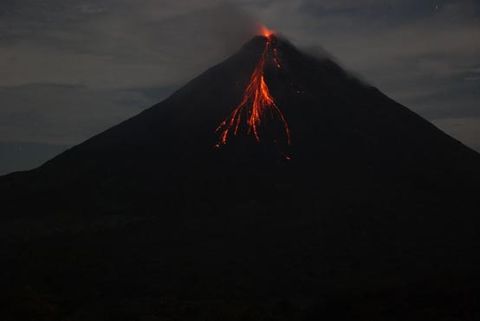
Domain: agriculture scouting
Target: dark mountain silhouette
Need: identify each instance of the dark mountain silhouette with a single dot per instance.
(374, 200)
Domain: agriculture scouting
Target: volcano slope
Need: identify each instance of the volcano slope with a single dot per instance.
(370, 211)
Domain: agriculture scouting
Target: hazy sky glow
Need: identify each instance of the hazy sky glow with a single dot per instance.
(71, 68)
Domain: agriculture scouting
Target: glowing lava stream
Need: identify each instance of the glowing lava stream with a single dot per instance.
(256, 100)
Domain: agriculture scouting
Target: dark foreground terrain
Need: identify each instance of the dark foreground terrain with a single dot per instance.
(375, 217)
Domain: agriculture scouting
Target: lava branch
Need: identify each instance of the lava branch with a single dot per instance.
(256, 100)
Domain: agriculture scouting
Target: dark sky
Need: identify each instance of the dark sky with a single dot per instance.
(71, 68)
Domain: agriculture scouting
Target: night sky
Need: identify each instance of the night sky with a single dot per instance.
(70, 69)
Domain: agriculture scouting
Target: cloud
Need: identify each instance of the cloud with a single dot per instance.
(128, 44)
(67, 114)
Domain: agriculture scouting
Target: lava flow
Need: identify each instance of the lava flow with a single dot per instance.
(257, 99)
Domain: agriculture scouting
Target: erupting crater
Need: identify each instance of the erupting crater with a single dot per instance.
(257, 101)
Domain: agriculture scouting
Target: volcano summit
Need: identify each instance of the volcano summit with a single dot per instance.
(257, 99)
(322, 188)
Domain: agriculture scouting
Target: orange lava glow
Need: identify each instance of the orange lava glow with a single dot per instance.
(267, 33)
(257, 100)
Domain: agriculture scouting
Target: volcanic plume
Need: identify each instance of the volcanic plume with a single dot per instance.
(257, 99)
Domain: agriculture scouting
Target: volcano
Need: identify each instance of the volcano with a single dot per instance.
(274, 176)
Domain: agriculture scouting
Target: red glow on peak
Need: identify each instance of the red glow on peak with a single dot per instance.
(257, 102)
(264, 31)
